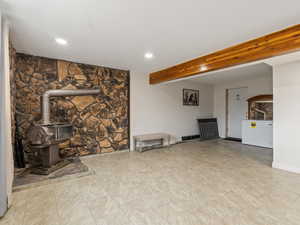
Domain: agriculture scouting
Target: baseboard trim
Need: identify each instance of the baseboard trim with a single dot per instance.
(285, 167)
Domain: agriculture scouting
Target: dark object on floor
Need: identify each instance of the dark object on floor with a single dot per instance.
(26, 177)
(191, 137)
(208, 128)
(233, 139)
(44, 140)
(18, 148)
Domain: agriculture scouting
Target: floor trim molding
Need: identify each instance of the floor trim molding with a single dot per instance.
(281, 166)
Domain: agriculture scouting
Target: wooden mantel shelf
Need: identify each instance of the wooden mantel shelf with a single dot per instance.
(275, 44)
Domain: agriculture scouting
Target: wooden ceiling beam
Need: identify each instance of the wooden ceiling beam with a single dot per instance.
(274, 44)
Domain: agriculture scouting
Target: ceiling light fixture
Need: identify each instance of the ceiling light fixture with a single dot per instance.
(61, 41)
(148, 55)
(203, 68)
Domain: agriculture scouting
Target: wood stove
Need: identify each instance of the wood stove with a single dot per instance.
(44, 141)
(44, 138)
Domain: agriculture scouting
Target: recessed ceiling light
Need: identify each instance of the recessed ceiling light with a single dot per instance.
(203, 68)
(148, 55)
(61, 41)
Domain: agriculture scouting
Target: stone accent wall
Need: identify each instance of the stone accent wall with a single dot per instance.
(101, 123)
(266, 107)
(12, 61)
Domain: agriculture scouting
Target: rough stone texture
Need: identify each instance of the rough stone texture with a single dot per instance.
(12, 61)
(100, 122)
(266, 107)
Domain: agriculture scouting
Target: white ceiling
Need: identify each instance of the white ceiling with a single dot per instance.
(117, 33)
(235, 74)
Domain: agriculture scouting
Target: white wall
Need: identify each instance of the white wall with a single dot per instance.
(286, 151)
(6, 158)
(256, 86)
(158, 108)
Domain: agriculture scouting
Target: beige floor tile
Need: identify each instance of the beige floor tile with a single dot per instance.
(210, 183)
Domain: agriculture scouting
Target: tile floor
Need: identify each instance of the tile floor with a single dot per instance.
(201, 183)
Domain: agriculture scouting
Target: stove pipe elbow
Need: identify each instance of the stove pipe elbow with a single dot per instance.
(56, 93)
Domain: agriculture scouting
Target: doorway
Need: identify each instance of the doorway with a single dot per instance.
(236, 110)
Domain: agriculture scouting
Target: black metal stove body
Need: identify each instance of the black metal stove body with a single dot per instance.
(45, 138)
(44, 141)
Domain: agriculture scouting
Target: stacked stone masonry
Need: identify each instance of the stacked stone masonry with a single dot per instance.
(12, 72)
(101, 123)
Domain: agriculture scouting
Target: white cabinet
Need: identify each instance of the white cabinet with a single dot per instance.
(258, 132)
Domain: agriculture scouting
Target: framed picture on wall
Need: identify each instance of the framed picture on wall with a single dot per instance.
(190, 97)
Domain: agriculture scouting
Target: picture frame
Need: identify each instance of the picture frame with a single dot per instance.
(190, 97)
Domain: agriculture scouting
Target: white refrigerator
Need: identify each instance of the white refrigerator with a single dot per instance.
(258, 133)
